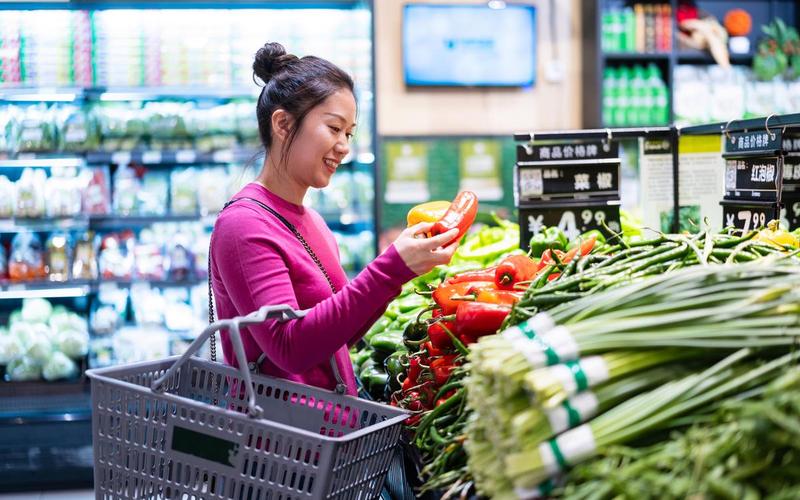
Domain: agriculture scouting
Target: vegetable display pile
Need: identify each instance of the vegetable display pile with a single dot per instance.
(527, 394)
(531, 382)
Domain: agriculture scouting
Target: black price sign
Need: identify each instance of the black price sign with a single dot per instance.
(595, 150)
(791, 172)
(571, 219)
(754, 143)
(753, 178)
(791, 144)
(577, 180)
(747, 217)
(790, 213)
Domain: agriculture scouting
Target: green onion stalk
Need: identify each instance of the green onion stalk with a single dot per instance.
(636, 416)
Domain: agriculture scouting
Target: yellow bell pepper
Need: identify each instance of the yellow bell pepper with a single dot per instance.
(427, 212)
(777, 237)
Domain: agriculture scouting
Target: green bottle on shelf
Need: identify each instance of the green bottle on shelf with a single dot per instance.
(641, 97)
(623, 98)
(629, 25)
(610, 93)
(658, 92)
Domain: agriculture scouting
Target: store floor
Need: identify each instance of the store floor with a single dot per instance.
(50, 495)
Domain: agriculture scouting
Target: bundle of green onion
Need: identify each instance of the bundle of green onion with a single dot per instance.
(531, 382)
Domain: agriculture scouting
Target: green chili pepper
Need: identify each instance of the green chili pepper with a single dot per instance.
(374, 380)
(415, 331)
(386, 343)
(476, 250)
(361, 356)
(394, 363)
(412, 302)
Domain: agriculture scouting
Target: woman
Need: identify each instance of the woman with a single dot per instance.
(267, 248)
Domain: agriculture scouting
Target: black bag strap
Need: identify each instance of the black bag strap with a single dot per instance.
(340, 385)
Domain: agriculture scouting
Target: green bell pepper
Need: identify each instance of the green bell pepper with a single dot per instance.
(377, 327)
(374, 380)
(415, 331)
(551, 238)
(394, 363)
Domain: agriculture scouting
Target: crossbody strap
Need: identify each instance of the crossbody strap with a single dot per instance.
(340, 385)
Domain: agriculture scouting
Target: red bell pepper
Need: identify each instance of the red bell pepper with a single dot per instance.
(439, 337)
(513, 269)
(504, 297)
(476, 319)
(443, 295)
(460, 215)
(477, 275)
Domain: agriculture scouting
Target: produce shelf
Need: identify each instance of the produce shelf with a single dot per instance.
(69, 94)
(636, 56)
(703, 57)
(80, 288)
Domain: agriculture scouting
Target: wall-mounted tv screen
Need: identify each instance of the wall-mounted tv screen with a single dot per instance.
(469, 45)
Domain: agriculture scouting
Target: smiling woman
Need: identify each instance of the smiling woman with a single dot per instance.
(267, 248)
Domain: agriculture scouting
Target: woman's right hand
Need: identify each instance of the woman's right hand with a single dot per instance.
(420, 253)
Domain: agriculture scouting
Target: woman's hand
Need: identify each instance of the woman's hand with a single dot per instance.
(421, 254)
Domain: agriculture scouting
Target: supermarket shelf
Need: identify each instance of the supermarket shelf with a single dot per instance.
(43, 160)
(69, 94)
(703, 57)
(45, 289)
(50, 224)
(107, 222)
(636, 56)
(81, 288)
(171, 157)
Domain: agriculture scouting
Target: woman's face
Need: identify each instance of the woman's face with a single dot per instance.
(323, 140)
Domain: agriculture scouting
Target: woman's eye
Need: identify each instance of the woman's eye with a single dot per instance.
(349, 136)
(336, 130)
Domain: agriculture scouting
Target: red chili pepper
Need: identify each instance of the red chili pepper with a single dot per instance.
(504, 297)
(476, 319)
(438, 335)
(441, 368)
(447, 395)
(443, 295)
(477, 275)
(413, 401)
(413, 369)
(545, 260)
(460, 215)
(553, 276)
(413, 420)
(585, 249)
(433, 351)
(513, 269)
(408, 383)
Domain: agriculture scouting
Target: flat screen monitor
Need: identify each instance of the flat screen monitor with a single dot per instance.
(469, 45)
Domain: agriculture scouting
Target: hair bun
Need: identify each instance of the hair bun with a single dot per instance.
(270, 60)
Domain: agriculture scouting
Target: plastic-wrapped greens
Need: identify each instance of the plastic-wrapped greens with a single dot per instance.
(22, 369)
(38, 345)
(59, 366)
(36, 310)
(72, 343)
(10, 348)
(79, 130)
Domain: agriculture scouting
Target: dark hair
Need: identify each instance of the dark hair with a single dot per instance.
(293, 84)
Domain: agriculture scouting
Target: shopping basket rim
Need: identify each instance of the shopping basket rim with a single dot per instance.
(102, 375)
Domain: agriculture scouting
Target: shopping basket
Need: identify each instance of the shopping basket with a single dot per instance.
(188, 428)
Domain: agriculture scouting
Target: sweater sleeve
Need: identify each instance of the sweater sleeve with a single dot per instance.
(254, 272)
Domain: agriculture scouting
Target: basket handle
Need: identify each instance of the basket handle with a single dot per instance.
(282, 312)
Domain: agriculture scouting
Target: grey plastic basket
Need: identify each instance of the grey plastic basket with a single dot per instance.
(187, 428)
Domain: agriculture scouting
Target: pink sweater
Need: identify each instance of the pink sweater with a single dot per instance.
(256, 260)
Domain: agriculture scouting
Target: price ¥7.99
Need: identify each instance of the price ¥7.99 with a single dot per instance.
(748, 218)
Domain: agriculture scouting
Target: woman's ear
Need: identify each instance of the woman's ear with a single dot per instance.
(282, 123)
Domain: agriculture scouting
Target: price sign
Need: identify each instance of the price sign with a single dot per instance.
(594, 150)
(790, 212)
(574, 180)
(572, 219)
(754, 143)
(753, 178)
(747, 217)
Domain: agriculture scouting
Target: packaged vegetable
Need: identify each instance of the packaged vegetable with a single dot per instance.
(36, 310)
(23, 369)
(10, 348)
(38, 346)
(8, 193)
(30, 193)
(58, 255)
(72, 343)
(26, 261)
(59, 366)
(96, 191)
(84, 264)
